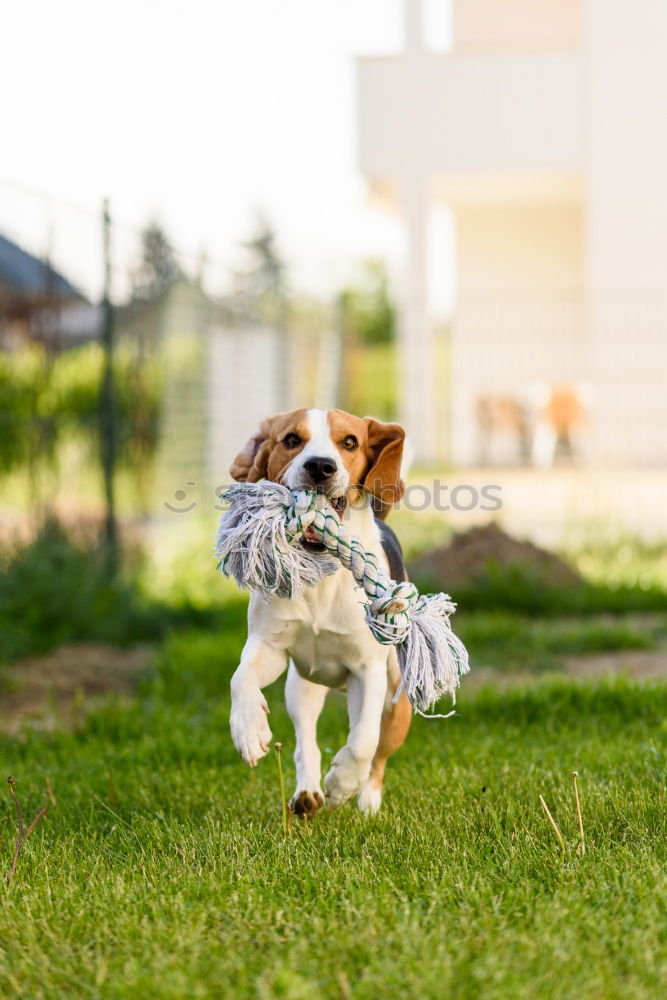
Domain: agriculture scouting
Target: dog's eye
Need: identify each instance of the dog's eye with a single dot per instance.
(350, 442)
(292, 441)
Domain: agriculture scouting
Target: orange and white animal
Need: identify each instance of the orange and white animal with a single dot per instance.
(322, 639)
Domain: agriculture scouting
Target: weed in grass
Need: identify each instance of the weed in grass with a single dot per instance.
(19, 835)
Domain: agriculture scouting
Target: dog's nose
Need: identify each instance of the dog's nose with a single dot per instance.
(320, 469)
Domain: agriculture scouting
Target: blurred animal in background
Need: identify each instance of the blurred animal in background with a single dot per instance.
(559, 420)
(541, 427)
(504, 429)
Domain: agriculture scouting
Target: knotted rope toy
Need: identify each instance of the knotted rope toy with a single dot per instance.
(256, 546)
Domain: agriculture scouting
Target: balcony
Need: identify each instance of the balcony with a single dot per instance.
(496, 112)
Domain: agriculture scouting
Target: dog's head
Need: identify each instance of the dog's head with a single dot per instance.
(330, 451)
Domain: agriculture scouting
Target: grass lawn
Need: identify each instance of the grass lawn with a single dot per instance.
(162, 869)
(510, 642)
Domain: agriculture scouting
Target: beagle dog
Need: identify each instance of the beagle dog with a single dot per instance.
(322, 638)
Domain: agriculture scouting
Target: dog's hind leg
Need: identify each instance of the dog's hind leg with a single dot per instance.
(394, 727)
(304, 704)
(352, 764)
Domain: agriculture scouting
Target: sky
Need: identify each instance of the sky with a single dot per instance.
(198, 114)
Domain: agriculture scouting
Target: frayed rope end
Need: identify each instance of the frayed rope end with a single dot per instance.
(253, 548)
(432, 659)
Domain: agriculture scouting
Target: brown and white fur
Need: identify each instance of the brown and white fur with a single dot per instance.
(323, 635)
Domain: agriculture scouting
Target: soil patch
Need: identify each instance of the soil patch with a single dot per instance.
(53, 687)
(469, 554)
(637, 664)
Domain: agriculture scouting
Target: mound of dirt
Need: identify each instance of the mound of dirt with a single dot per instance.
(471, 553)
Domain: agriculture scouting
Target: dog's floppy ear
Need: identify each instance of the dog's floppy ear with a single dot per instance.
(251, 463)
(384, 450)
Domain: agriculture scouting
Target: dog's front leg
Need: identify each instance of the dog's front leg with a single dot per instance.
(260, 665)
(351, 765)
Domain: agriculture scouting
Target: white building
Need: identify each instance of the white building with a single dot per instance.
(544, 129)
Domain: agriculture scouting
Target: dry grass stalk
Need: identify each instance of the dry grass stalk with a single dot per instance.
(42, 812)
(283, 800)
(575, 775)
(553, 824)
(49, 792)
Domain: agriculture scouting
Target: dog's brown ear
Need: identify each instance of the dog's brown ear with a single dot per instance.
(384, 451)
(250, 465)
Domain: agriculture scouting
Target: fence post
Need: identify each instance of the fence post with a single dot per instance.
(108, 400)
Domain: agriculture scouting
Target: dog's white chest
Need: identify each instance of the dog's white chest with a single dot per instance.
(322, 658)
(325, 631)
(328, 637)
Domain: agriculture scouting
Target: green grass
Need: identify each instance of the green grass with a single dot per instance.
(520, 589)
(162, 869)
(621, 559)
(515, 642)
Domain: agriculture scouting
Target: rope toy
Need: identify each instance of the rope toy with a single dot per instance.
(256, 547)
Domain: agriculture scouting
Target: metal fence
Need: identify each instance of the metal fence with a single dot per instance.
(114, 397)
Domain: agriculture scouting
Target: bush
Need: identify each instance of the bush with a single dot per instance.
(57, 589)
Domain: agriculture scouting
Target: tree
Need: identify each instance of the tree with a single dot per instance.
(158, 267)
(260, 287)
(367, 313)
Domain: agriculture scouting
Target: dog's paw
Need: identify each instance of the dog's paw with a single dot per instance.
(249, 726)
(346, 777)
(306, 804)
(370, 798)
